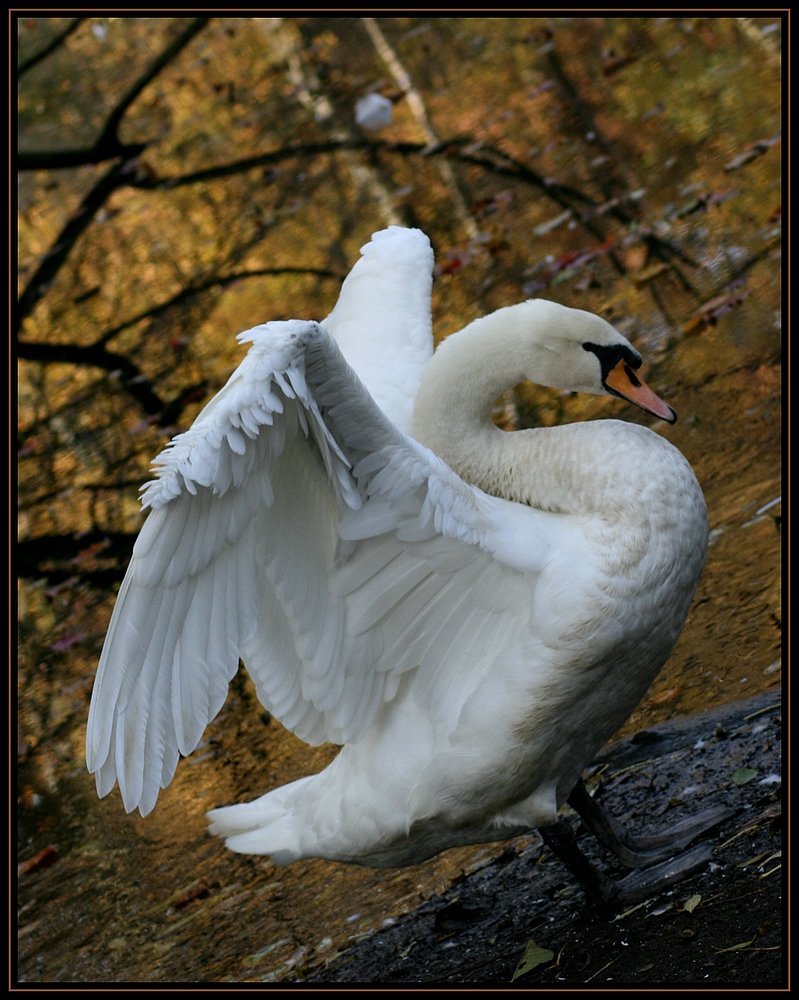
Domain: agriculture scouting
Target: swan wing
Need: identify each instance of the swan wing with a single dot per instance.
(258, 468)
(388, 292)
(440, 575)
(294, 526)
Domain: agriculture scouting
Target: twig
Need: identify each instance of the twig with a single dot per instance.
(761, 711)
(59, 250)
(607, 965)
(215, 282)
(113, 121)
(131, 375)
(419, 112)
(108, 145)
(59, 39)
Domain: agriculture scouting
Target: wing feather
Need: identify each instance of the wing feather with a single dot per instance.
(295, 526)
(388, 293)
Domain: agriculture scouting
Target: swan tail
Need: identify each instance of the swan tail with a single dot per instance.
(268, 825)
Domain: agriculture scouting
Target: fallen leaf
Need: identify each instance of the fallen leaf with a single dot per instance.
(46, 857)
(663, 697)
(744, 775)
(691, 903)
(197, 890)
(715, 308)
(547, 227)
(533, 956)
(735, 947)
(70, 639)
(756, 149)
(650, 273)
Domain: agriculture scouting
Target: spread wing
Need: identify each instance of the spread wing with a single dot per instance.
(294, 526)
(388, 293)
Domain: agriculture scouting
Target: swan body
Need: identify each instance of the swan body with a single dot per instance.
(470, 613)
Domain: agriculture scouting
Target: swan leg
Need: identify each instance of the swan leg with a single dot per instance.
(640, 852)
(636, 886)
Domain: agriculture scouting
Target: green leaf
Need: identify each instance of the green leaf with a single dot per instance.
(691, 903)
(744, 775)
(735, 947)
(532, 957)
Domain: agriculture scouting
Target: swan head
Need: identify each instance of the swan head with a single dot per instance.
(572, 349)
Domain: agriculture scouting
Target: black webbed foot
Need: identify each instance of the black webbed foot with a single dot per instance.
(645, 882)
(636, 886)
(642, 851)
(658, 861)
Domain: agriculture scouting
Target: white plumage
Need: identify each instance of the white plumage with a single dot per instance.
(470, 613)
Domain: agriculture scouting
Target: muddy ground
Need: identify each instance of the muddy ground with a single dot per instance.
(720, 927)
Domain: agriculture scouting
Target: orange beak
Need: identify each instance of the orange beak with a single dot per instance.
(623, 381)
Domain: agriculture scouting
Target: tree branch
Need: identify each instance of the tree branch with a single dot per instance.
(108, 146)
(78, 222)
(221, 280)
(59, 39)
(451, 148)
(95, 356)
(476, 154)
(63, 159)
(109, 133)
(57, 557)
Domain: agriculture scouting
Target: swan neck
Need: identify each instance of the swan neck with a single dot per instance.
(452, 410)
(593, 468)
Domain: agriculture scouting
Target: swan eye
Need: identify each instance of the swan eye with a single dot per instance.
(610, 356)
(632, 376)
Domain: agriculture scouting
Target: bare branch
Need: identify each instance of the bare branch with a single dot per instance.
(221, 280)
(78, 222)
(463, 149)
(61, 159)
(130, 375)
(59, 39)
(109, 133)
(56, 557)
(108, 146)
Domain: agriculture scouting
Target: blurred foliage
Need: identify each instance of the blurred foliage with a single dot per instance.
(253, 190)
(182, 179)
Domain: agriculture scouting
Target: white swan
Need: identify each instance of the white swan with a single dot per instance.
(472, 613)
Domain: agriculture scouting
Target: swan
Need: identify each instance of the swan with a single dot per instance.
(470, 613)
